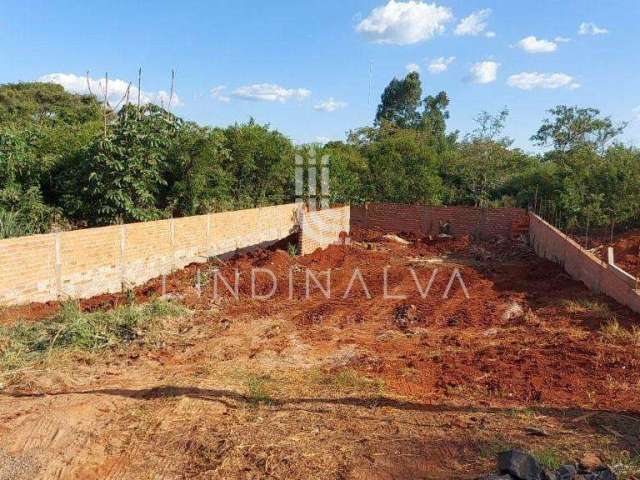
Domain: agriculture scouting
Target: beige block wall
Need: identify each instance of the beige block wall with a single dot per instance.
(88, 262)
(322, 228)
(597, 275)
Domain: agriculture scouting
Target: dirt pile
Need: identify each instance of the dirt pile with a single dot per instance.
(626, 249)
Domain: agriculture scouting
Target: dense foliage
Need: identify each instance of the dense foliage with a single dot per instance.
(67, 162)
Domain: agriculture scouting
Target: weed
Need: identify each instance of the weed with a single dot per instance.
(491, 448)
(130, 296)
(522, 412)
(614, 332)
(257, 390)
(292, 249)
(584, 305)
(548, 458)
(353, 380)
(72, 329)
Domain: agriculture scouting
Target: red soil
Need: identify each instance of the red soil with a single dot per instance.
(455, 347)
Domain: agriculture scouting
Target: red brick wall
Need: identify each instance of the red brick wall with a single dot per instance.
(486, 222)
(597, 275)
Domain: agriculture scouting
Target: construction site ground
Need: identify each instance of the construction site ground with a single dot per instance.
(343, 388)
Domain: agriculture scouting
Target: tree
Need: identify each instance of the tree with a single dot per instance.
(197, 181)
(261, 162)
(400, 101)
(484, 161)
(118, 177)
(45, 103)
(434, 119)
(22, 208)
(573, 127)
(403, 168)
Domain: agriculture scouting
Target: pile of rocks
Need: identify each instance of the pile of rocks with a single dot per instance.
(517, 465)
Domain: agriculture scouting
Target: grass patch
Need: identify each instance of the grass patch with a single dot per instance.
(258, 390)
(72, 329)
(527, 413)
(549, 458)
(584, 305)
(616, 333)
(350, 379)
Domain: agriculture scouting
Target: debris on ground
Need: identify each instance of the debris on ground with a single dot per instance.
(395, 238)
(518, 465)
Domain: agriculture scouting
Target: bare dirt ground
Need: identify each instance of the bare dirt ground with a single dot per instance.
(626, 248)
(355, 388)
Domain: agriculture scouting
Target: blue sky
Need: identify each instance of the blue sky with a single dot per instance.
(287, 62)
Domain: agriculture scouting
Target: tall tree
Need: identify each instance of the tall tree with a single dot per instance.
(400, 101)
(572, 127)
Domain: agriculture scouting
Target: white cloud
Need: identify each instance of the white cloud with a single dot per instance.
(490, 34)
(590, 28)
(636, 112)
(117, 89)
(532, 44)
(329, 105)
(531, 80)
(484, 72)
(412, 67)
(440, 64)
(474, 24)
(404, 23)
(268, 92)
(218, 94)
(561, 39)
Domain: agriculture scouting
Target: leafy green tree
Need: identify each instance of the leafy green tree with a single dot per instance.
(573, 127)
(197, 180)
(119, 176)
(261, 162)
(403, 169)
(22, 208)
(347, 170)
(45, 103)
(400, 101)
(434, 121)
(484, 161)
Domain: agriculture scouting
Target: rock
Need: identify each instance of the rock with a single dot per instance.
(520, 465)
(604, 473)
(513, 311)
(590, 461)
(566, 472)
(497, 476)
(395, 238)
(549, 474)
(403, 315)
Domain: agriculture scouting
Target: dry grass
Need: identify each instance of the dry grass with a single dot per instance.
(585, 305)
(615, 333)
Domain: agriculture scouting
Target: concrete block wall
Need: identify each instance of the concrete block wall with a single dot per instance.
(423, 220)
(92, 261)
(321, 228)
(550, 243)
